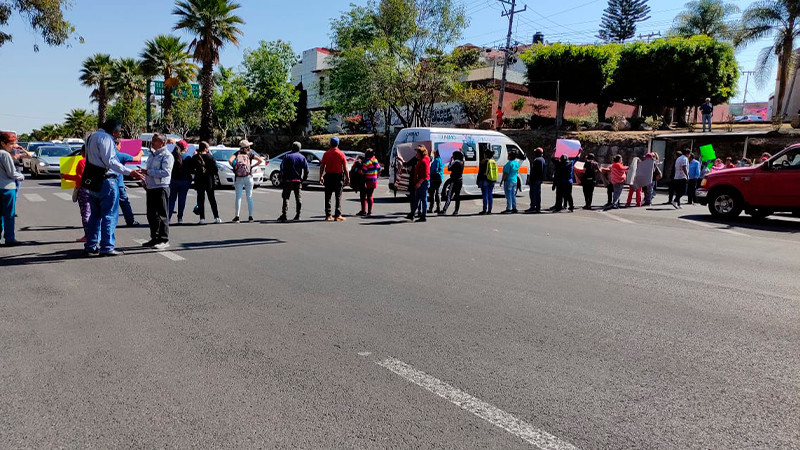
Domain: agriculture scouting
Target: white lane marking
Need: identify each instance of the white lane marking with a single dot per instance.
(35, 197)
(525, 431)
(615, 217)
(364, 353)
(712, 227)
(168, 255)
(63, 196)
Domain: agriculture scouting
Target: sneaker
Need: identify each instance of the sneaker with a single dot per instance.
(505, 211)
(202, 222)
(675, 205)
(13, 243)
(282, 218)
(112, 253)
(514, 211)
(455, 213)
(250, 219)
(329, 218)
(340, 219)
(361, 213)
(235, 219)
(133, 224)
(217, 220)
(180, 221)
(482, 213)
(296, 217)
(161, 245)
(422, 219)
(150, 243)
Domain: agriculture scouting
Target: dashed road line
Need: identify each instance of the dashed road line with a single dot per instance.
(525, 431)
(615, 217)
(63, 196)
(34, 197)
(169, 255)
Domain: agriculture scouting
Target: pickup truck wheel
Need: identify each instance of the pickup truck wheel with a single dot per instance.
(761, 213)
(725, 203)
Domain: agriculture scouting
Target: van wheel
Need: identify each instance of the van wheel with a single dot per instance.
(761, 213)
(725, 203)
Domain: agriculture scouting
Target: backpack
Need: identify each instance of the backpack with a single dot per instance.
(491, 170)
(242, 166)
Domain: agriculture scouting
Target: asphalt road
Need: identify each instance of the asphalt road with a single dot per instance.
(641, 328)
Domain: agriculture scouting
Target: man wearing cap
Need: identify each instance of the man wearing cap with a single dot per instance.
(706, 109)
(334, 176)
(101, 159)
(294, 170)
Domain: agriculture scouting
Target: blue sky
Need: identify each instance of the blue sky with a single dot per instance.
(40, 88)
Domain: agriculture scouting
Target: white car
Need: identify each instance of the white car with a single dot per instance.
(226, 176)
(46, 160)
(273, 169)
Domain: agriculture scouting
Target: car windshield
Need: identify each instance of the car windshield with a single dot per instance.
(55, 151)
(222, 155)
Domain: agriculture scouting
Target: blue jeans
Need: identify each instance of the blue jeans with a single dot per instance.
(511, 195)
(125, 204)
(103, 218)
(246, 184)
(536, 195)
(706, 120)
(487, 189)
(177, 191)
(421, 195)
(8, 207)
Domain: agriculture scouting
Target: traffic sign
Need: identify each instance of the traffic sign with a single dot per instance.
(158, 89)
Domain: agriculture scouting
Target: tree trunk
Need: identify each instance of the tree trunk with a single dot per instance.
(167, 100)
(784, 60)
(560, 107)
(602, 108)
(207, 112)
(102, 104)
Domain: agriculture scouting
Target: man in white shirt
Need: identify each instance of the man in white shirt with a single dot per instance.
(681, 177)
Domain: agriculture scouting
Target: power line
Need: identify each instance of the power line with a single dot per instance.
(510, 13)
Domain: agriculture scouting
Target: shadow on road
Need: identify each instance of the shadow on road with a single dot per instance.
(228, 243)
(780, 224)
(45, 228)
(40, 258)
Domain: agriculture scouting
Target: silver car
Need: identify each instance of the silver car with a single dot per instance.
(31, 148)
(46, 160)
(314, 157)
(226, 176)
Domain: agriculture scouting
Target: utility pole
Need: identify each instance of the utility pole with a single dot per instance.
(510, 13)
(746, 82)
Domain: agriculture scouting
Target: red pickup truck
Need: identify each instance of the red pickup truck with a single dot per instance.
(760, 190)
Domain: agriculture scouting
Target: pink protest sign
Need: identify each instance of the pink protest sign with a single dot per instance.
(569, 147)
(130, 146)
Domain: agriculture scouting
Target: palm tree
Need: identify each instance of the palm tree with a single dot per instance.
(705, 17)
(213, 24)
(127, 79)
(167, 56)
(79, 122)
(776, 19)
(96, 73)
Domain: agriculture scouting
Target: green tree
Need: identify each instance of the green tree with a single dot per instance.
(272, 98)
(46, 18)
(229, 101)
(518, 105)
(131, 114)
(167, 56)
(675, 73)
(708, 17)
(96, 74)
(476, 103)
(184, 116)
(80, 123)
(400, 44)
(213, 23)
(584, 74)
(619, 20)
(127, 79)
(48, 132)
(777, 20)
(319, 122)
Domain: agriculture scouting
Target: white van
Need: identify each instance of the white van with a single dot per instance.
(472, 143)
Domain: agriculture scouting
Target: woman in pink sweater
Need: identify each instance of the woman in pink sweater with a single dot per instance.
(617, 177)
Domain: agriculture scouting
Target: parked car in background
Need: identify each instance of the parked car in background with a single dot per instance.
(226, 176)
(761, 190)
(748, 119)
(46, 160)
(32, 146)
(314, 157)
(147, 138)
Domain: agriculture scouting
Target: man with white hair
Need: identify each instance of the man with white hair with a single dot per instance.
(157, 178)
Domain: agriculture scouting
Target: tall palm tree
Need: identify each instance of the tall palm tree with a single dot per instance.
(779, 20)
(707, 17)
(167, 56)
(79, 122)
(213, 24)
(96, 73)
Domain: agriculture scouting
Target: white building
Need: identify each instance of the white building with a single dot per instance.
(311, 72)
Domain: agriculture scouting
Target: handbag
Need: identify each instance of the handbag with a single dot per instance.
(93, 177)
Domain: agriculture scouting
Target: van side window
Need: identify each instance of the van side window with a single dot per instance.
(513, 148)
(498, 150)
(470, 153)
